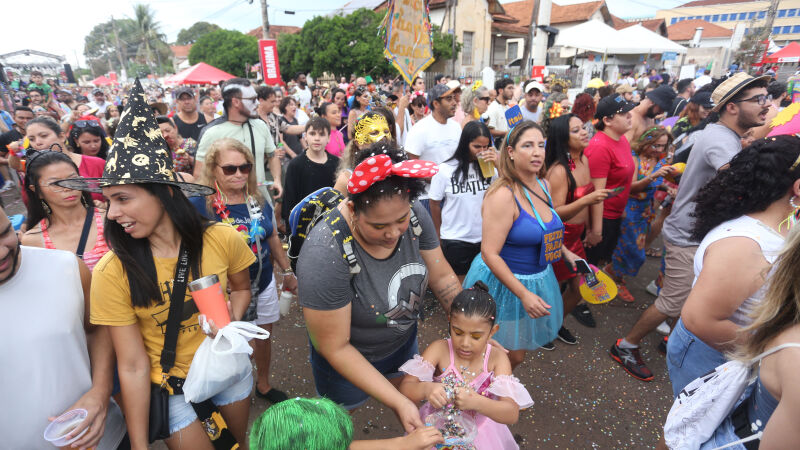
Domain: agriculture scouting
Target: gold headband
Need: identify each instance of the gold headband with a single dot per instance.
(796, 162)
(371, 129)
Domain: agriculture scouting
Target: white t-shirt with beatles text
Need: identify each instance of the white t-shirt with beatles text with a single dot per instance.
(461, 211)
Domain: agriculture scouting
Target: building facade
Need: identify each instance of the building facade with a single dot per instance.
(729, 13)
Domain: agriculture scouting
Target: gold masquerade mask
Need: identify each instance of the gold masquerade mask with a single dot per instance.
(371, 129)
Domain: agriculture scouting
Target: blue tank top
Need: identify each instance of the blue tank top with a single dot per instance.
(760, 405)
(523, 246)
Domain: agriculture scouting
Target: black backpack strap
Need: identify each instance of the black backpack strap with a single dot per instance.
(176, 300)
(87, 226)
(415, 225)
(341, 232)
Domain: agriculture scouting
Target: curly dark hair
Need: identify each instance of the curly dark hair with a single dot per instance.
(758, 176)
(410, 188)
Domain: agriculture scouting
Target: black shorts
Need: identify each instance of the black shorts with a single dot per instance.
(460, 254)
(602, 252)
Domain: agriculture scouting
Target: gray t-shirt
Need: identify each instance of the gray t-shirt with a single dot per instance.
(713, 148)
(386, 296)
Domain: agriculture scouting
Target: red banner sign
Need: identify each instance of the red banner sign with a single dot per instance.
(268, 52)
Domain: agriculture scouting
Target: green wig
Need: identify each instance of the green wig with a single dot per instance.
(302, 423)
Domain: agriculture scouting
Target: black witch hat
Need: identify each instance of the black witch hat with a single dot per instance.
(138, 155)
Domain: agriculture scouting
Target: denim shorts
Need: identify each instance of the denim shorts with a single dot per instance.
(689, 358)
(331, 385)
(181, 414)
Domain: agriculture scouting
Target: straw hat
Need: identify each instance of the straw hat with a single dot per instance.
(730, 87)
(138, 155)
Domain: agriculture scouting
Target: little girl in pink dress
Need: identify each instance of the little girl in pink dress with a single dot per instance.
(472, 380)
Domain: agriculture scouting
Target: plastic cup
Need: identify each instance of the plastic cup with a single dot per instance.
(207, 295)
(56, 433)
(285, 302)
(487, 167)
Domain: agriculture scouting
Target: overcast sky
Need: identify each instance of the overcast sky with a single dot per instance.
(59, 27)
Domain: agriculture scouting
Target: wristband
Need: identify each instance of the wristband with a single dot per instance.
(288, 271)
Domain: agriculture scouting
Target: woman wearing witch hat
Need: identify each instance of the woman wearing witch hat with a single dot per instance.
(160, 243)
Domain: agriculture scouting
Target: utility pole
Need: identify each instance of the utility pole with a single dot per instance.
(452, 28)
(264, 19)
(525, 66)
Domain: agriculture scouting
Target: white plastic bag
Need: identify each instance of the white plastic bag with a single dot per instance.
(222, 361)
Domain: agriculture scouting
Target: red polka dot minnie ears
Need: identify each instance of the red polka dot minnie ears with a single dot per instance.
(377, 168)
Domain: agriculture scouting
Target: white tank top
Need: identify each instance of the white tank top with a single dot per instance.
(770, 241)
(45, 360)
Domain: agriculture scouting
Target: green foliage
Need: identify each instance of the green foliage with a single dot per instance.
(343, 46)
(443, 45)
(140, 42)
(192, 34)
(226, 50)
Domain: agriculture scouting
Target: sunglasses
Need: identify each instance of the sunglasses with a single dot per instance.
(486, 99)
(231, 170)
(86, 123)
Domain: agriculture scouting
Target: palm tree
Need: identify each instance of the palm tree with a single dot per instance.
(148, 30)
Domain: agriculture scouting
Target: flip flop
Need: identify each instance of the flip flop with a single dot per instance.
(624, 294)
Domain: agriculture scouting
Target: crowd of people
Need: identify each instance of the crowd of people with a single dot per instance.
(134, 193)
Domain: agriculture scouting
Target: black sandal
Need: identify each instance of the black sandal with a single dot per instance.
(273, 396)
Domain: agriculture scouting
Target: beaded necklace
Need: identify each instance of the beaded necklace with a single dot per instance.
(250, 233)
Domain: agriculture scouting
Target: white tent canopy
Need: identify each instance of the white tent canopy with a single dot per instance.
(592, 36)
(649, 41)
(596, 36)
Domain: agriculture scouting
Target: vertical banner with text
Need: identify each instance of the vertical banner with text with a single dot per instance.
(268, 53)
(408, 37)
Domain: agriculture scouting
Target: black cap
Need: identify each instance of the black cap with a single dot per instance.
(612, 104)
(663, 96)
(702, 98)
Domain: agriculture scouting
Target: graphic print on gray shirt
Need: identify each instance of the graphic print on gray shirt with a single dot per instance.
(386, 295)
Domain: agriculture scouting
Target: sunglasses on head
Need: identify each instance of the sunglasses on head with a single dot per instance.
(231, 170)
(86, 123)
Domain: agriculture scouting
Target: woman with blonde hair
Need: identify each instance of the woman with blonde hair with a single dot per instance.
(773, 403)
(520, 242)
(475, 102)
(229, 171)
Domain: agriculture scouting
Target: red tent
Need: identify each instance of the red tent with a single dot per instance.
(199, 73)
(102, 80)
(788, 54)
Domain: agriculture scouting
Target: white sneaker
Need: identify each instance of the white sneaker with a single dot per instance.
(652, 289)
(8, 185)
(663, 328)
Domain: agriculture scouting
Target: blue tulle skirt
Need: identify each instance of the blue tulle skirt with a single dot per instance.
(517, 330)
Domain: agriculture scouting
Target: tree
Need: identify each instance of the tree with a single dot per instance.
(751, 49)
(192, 34)
(148, 31)
(443, 45)
(227, 50)
(344, 45)
(140, 43)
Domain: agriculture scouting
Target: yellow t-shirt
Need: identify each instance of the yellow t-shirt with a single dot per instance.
(224, 253)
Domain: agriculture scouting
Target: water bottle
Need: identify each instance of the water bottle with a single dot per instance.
(285, 302)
